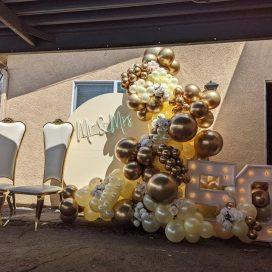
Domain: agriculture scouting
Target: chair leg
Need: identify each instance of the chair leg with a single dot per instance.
(39, 207)
(11, 211)
(14, 204)
(60, 196)
(2, 201)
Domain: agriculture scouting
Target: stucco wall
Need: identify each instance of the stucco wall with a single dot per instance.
(40, 90)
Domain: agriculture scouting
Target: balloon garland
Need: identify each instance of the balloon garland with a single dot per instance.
(149, 190)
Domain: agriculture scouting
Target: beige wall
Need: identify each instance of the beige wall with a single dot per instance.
(40, 90)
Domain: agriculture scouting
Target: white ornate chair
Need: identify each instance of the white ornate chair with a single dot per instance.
(11, 136)
(57, 136)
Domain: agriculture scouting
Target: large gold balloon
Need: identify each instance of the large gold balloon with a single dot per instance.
(191, 93)
(162, 188)
(145, 155)
(68, 207)
(154, 105)
(212, 98)
(183, 127)
(134, 102)
(199, 109)
(260, 198)
(149, 57)
(153, 50)
(126, 149)
(208, 143)
(132, 170)
(123, 211)
(206, 121)
(69, 191)
(174, 67)
(166, 57)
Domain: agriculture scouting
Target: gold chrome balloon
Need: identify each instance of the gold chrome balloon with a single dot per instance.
(68, 219)
(149, 57)
(134, 102)
(123, 211)
(144, 115)
(208, 143)
(178, 92)
(68, 207)
(154, 105)
(148, 172)
(206, 121)
(260, 198)
(126, 149)
(166, 57)
(153, 50)
(69, 191)
(145, 155)
(212, 98)
(132, 170)
(183, 127)
(199, 109)
(191, 93)
(137, 196)
(162, 188)
(174, 67)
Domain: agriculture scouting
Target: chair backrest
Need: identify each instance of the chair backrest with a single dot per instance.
(11, 136)
(57, 136)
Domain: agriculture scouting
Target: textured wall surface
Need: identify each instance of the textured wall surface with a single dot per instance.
(40, 90)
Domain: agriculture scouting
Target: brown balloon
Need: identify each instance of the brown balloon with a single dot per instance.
(134, 102)
(206, 121)
(68, 219)
(144, 115)
(153, 50)
(69, 191)
(162, 188)
(183, 127)
(260, 185)
(123, 211)
(126, 149)
(250, 221)
(68, 207)
(260, 198)
(174, 67)
(154, 105)
(149, 172)
(252, 234)
(263, 214)
(166, 57)
(132, 170)
(199, 109)
(191, 93)
(208, 143)
(145, 155)
(212, 98)
(137, 196)
(149, 57)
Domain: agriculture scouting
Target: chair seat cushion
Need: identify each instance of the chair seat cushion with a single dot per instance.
(4, 187)
(36, 190)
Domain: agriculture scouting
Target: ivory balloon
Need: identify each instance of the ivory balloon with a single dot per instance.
(206, 121)
(207, 230)
(90, 215)
(94, 182)
(68, 207)
(149, 203)
(183, 127)
(192, 225)
(231, 191)
(132, 170)
(192, 238)
(239, 229)
(166, 56)
(175, 231)
(151, 224)
(191, 93)
(208, 143)
(82, 196)
(123, 211)
(162, 188)
(248, 208)
(163, 214)
(126, 149)
(212, 98)
(94, 203)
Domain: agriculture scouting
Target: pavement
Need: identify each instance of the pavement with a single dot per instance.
(101, 246)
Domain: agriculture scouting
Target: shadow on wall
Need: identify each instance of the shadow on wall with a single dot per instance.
(31, 72)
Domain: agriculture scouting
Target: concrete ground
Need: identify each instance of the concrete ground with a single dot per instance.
(105, 247)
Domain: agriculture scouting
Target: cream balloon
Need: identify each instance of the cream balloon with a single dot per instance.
(231, 191)
(239, 229)
(192, 238)
(151, 224)
(149, 203)
(90, 215)
(175, 231)
(207, 230)
(94, 203)
(248, 208)
(163, 214)
(192, 225)
(82, 196)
